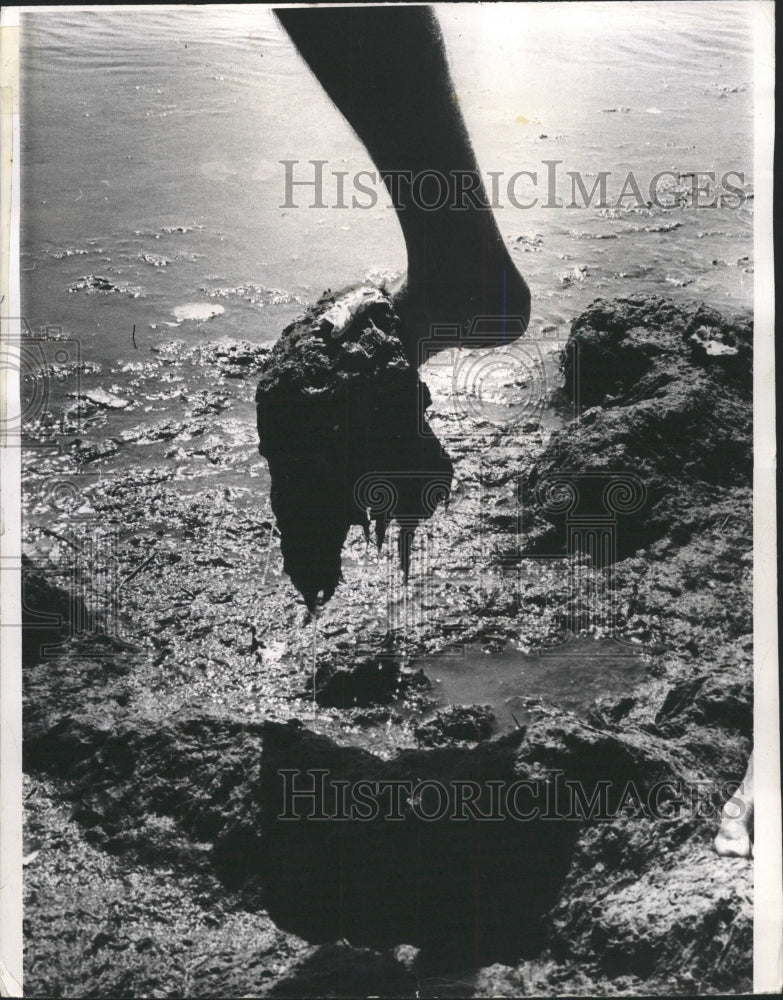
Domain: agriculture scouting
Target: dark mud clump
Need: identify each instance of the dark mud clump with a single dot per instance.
(341, 423)
(661, 447)
(662, 437)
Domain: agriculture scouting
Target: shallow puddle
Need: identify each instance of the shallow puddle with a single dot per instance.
(570, 676)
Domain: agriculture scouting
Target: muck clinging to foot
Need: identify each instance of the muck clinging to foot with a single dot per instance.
(341, 423)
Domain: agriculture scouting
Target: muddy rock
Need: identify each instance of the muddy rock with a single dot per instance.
(624, 340)
(710, 699)
(411, 879)
(664, 426)
(95, 923)
(341, 424)
(198, 771)
(241, 801)
(680, 911)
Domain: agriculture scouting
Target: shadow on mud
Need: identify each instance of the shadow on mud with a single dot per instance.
(466, 888)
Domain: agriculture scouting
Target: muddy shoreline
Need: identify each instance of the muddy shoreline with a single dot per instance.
(155, 736)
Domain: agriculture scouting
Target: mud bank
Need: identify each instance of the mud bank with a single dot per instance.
(154, 748)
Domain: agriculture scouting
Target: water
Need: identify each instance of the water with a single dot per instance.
(570, 677)
(151, 149)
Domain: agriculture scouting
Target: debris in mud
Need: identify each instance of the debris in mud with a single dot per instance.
(234, 358)
(169, 230)
(205, 402)
(528, 244)
(154, 259)
(98, 283)
(251, 292)
(341, 423)
(163, 431)
(457, 724)
(72, 252)
(662, 227)
(578, 273)
(91, 451)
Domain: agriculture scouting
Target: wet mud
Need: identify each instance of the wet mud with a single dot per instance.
(173, 677)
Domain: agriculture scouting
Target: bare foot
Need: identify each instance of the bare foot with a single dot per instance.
(733, 839)
(474, 300)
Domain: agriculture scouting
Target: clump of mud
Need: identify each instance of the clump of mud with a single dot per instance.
(341, 423)
(662, 440)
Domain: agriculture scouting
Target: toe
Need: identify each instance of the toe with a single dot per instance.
(733, 841)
